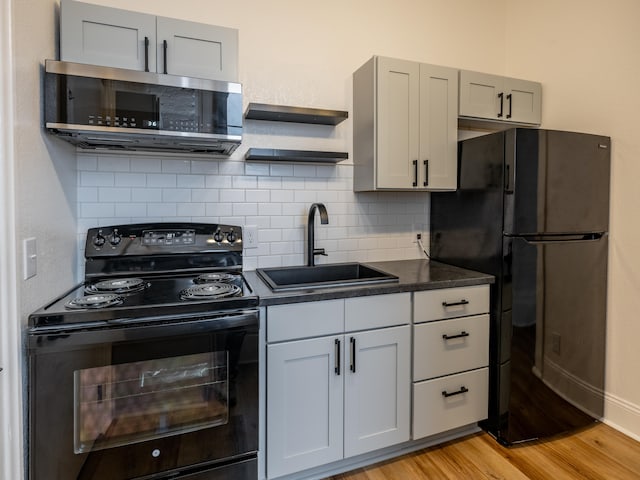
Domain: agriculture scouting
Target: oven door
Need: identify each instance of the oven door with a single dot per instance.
(171, 396)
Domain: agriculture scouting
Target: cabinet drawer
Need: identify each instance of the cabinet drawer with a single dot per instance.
(304, 320)
(450, 346)
(434, 412)
(450, 302)
(377, 311)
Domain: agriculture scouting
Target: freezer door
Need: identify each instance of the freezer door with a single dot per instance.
(556, 304)
(556, 182)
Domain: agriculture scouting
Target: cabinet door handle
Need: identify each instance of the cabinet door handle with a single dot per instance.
(337, 366)
(352, 367)
(462, 390)
(164, 54)
(446, 304)
(415, 173)
(146, 54)
(426, 173)
(510, 100)
(501, 97)
(451, 337)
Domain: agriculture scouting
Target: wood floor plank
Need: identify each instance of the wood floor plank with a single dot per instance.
(598, 452)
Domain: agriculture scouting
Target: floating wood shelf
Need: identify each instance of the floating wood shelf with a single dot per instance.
(294, 156)
(282, 113)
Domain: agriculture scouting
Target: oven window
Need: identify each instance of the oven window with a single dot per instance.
(121, 404)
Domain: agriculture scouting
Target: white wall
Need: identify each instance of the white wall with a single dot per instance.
(585, 53)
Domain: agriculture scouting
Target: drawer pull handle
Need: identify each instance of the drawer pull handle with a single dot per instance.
(446, 394)
(455, 304)
(451, 337)
(337, 366)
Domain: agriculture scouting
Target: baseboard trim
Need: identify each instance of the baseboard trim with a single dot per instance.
(622, 415)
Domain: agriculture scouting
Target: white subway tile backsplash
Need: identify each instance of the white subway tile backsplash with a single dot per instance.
(87, 162)
(145, 164)
(232, 195)
(258, 196)
(209, 195)
(190, 181)
(257, 169)
(96, 179)
(161, 180)
(131, 210)
(146, 195)
(90, 209)
(170, 165)
(176, 194)
(278, 170)
(87, 194)
(275, 197)
(162, 209)
(204, 167)
(130, 179)
(190, 210)
(113, 163)
(114, 194)
(217, 181)
(244, 209)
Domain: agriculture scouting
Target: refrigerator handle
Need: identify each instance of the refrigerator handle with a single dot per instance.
(568, 238)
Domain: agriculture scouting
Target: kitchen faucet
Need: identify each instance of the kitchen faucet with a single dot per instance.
(324, 219)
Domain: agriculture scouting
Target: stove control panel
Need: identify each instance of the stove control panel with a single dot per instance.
(162, 239)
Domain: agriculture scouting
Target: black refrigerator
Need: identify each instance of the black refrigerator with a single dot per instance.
(532, 209)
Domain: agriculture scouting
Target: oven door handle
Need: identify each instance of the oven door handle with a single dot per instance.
(125, 330)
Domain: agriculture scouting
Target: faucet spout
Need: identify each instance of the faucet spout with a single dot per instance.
(324, 219)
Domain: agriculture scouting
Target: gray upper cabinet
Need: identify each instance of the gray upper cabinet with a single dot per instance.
(118, 38)
(405, 126)
(493, 97)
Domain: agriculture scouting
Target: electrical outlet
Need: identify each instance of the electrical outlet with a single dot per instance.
(250, 236)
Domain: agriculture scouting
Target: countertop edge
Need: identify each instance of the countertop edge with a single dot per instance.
(413, 276)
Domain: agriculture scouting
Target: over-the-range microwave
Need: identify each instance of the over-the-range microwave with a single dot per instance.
(101, 107)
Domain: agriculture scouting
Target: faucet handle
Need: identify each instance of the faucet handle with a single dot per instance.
(320, 251)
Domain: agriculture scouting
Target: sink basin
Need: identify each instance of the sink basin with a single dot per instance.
(323, 276)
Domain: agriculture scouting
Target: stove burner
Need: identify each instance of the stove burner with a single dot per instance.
(215, 277)
(95, 301)
(209, 291)
(117, 285)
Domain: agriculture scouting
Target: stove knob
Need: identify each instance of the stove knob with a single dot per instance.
(218, 237)
(99, 240)
(231, 236)
(115, 238)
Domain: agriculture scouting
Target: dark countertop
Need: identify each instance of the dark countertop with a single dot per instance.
(414, 275)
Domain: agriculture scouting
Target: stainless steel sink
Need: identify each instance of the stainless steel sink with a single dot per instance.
(323, 276)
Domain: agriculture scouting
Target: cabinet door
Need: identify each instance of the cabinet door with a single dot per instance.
(438, 128)
(397, 123)
(304, 404)
(197, 50)
(479, 95)
(377, 389)
(523, 101)
(106, 36)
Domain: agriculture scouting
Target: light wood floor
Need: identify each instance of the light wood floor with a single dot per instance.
(596, 452)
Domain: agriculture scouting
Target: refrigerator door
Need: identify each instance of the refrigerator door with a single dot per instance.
(555, 182)
(557, 305)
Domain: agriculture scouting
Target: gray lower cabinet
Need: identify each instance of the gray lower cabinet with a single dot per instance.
(450, 359)
(112, 37)
(338, 380)
(502, 99)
